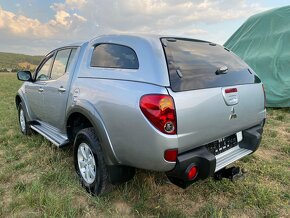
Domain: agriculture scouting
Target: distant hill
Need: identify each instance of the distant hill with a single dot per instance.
(15, 62)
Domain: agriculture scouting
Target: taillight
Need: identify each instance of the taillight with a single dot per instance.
(160, 111)
(264, 95)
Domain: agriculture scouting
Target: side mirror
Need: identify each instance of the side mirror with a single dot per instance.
(24, 76)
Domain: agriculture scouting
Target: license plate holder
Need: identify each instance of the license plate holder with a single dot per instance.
(223, 144)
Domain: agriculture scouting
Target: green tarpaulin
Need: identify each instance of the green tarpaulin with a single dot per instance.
(263, 42)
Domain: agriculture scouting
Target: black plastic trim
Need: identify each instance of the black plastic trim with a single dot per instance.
(205, 161)
(201, 158)
(252, 138)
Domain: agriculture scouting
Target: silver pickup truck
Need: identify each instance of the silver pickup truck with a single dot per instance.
(185, 107)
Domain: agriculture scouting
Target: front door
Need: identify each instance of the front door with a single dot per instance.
(56, 90)
(35, 90)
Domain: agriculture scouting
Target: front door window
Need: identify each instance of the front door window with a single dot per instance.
(43, 72)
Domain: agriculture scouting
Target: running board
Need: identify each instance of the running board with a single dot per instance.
(48, 133)
(229, 156)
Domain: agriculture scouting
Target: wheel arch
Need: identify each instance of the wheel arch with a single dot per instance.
(20, 98)
(89, 115)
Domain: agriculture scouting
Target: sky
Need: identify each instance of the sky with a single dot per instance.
(38, 26)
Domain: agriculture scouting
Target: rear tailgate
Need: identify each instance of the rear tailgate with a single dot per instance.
(203, 115)
(215, 93)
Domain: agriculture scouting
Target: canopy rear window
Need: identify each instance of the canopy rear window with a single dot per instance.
(194, 64)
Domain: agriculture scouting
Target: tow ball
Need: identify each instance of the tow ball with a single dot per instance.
(232, 173)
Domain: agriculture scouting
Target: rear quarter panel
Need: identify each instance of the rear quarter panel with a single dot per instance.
(115, 94)
(135, 141)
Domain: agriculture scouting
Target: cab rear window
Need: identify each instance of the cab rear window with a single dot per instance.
(194, 64)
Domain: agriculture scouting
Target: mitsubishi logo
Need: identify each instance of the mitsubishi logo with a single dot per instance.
(233, 114)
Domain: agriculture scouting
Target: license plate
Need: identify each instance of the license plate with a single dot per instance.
(223, 144)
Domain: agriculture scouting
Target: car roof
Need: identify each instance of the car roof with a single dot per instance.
(80, 43)
(145, 36)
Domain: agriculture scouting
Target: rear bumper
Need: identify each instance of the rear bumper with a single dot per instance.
(207, 163)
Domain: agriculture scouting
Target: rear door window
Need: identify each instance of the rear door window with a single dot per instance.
(114, 56)
(194, 64)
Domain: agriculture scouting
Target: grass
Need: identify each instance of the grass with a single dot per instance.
(38, 180)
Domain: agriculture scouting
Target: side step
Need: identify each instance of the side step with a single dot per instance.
(230, 156)
(49, 133)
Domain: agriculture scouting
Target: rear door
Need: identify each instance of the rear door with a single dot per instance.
(56, 90)
(215, 93)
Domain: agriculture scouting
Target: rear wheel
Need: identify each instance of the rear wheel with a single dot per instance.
(89, 162)
(24, 127)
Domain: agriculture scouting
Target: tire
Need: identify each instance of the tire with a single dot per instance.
(24, 126)
(90, 164)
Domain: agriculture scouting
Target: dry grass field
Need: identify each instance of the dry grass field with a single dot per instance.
(38, 180)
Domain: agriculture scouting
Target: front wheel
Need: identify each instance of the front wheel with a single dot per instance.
(24, 127)
(89, 162)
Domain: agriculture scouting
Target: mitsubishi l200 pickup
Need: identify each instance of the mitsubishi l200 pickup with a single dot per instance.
(182, 106)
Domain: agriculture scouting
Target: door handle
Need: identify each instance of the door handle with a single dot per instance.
(42, 83)
(40, 89)
(61, 89)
